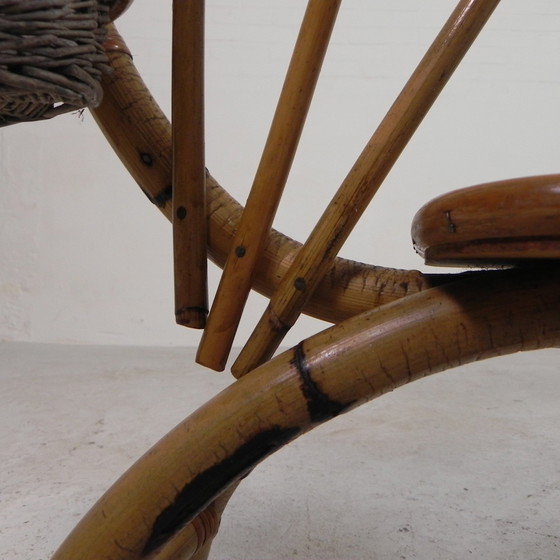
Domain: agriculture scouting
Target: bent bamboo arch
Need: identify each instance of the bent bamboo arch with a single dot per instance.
(155, 509)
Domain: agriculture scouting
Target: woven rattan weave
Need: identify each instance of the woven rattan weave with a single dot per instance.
(51, 57)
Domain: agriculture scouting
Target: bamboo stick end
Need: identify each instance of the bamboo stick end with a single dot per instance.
(192, 317)
(211, 360)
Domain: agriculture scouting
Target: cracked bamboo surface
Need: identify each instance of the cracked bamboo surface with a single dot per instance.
(363, 181)
(326, 375)
(140, 134)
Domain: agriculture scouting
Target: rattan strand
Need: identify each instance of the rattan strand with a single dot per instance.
(51, 57)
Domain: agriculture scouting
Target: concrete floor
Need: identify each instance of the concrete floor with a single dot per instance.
(461, 465)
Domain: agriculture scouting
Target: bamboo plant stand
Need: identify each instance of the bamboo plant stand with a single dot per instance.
(390, 327)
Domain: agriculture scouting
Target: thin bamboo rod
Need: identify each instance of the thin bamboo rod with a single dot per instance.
(269, 182)
(140, 134)
(364, 179)
(326, 375)
(189, 174)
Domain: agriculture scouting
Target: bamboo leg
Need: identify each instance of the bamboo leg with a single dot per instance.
(269, 182)
(189, 175)
(140, 134)
(366, 176)
(326, 375)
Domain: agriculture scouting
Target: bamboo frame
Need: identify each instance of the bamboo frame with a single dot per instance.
(268, 185)
(189, 171)
(363, 181)
(411, 325)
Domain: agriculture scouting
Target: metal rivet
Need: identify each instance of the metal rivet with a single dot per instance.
(146, 159)
(300, 285)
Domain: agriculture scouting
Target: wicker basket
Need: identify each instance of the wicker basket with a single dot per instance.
(51, 57)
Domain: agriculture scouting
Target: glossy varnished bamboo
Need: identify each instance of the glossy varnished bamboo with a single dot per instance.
(269, 182)
(499, 223)
(364, 179)
(140, 134)
(474, 318)
(189, 176)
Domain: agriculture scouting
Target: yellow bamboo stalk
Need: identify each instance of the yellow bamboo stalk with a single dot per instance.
(326, 375)
(363, 181)
(140, 134)
(269, 182)
(189, 176)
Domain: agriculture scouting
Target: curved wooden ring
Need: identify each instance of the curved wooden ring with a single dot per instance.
(326, 375)
(496, 223)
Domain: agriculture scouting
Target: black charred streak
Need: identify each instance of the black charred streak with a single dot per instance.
(163, 197)
(319, 405)
(199, 493)
(192, 308)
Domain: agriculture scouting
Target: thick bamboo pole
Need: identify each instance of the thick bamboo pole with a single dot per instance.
(363, 181)
(189, 172)
(268, 185)
(140, 134)
(326, 375)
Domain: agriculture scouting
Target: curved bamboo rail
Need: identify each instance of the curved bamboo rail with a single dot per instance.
(140, 134)
(330, 373)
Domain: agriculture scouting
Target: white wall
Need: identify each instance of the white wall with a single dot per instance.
(85, 258)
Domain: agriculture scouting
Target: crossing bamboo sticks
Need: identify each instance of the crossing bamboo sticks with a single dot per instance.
(140, 134)
(189, 176)
(269, 182)
(364, 179)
